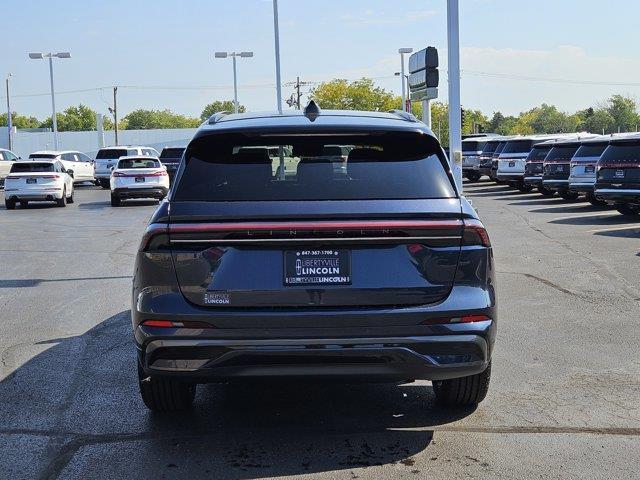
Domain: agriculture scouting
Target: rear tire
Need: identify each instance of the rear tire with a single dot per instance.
(10, 204)
(546, 192)
(473, 177)
(24, 203)
(570, 195)
(524, 188)
(62, 202)
(70, 198)
(591, 198)
(464, 391)
(165, 395)
(105, 184)
(115, 200)
(628, 210)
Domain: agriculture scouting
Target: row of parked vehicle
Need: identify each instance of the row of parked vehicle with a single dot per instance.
(127, 171)
(604, 168)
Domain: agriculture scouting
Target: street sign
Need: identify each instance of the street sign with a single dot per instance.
(424, 77)
(427, 58)
(425, 94)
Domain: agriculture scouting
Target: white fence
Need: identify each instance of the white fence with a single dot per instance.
(89, 142)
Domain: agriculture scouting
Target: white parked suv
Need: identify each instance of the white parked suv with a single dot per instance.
(107, 157)
(77, 164)
(7, 157)
(138, 176)
(45, 180)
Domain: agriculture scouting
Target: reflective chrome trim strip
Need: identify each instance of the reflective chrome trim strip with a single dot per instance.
(618, 190)
(555, 181)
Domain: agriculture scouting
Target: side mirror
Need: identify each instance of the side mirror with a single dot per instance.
(70, 173)
(112, 168)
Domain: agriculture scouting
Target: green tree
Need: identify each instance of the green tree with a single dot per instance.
(73, 119)
(142, 119)
(19, 121)
(623, 110)
(219, 106)
(360, 94)
(600, 121)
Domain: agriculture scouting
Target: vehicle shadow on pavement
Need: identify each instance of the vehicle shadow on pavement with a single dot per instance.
(574, 208)
(607, 218)
(74, 406)
(107, 204)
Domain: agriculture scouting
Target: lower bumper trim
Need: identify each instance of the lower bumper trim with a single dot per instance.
(431, 358)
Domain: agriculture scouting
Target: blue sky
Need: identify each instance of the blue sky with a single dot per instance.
(165, 43)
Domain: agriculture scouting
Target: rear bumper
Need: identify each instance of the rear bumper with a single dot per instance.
(141, 192)
(509, 177)
(33, 196)
(433, 357)
(533, 181)
(618, 195)
(581, 187)
(556, 184)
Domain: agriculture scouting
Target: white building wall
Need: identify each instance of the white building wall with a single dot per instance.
(88, 142)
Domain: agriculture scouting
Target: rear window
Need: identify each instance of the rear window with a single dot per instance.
(518, 146)
(236, 167)
(113, 153)
(499, 149)
(594, 150)
(171, 153)
(138, 163)
(621, 153)
(473, 145)
(32, 167)
(538, 153)
(43, 155)
(562, 153)
(490, 147)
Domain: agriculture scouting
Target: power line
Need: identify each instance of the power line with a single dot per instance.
(510, 76)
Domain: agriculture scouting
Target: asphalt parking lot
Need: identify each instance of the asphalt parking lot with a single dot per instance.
(563, 401)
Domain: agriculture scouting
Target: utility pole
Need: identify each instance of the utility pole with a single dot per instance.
(297, 96)
(115, 113)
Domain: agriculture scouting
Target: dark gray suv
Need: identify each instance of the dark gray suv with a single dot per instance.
(274, 256)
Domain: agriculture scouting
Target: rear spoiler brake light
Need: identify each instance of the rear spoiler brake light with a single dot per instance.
(442, 232)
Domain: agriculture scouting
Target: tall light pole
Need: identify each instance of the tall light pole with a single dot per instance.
(276, 34)
(402, 51)
(455, 115)
(9, 124)
(50, 56)
(233, 55)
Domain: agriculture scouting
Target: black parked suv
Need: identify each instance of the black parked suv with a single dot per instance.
(170, 158)
(557, 167)
(618, 174)
(533, 167)
(268, 259)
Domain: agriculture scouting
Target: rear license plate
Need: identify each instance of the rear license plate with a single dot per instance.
(619, 174)
(32, 180)
(317, 267)
(139, 179)
(589, 169)
(512, 164)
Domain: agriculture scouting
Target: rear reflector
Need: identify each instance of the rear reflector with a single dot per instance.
(463, 319)
(470, 319)
(170, 324)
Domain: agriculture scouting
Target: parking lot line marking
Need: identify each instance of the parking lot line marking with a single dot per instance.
(616, 229)
(578, 215)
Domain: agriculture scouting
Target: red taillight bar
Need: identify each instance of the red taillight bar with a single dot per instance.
(13, 177)
(154, 174)
(475, 233)
(319, 226)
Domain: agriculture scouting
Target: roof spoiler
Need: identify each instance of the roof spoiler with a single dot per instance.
(216, 117)
(406, 116)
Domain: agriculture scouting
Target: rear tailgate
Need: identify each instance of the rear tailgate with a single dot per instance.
(389, 253)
